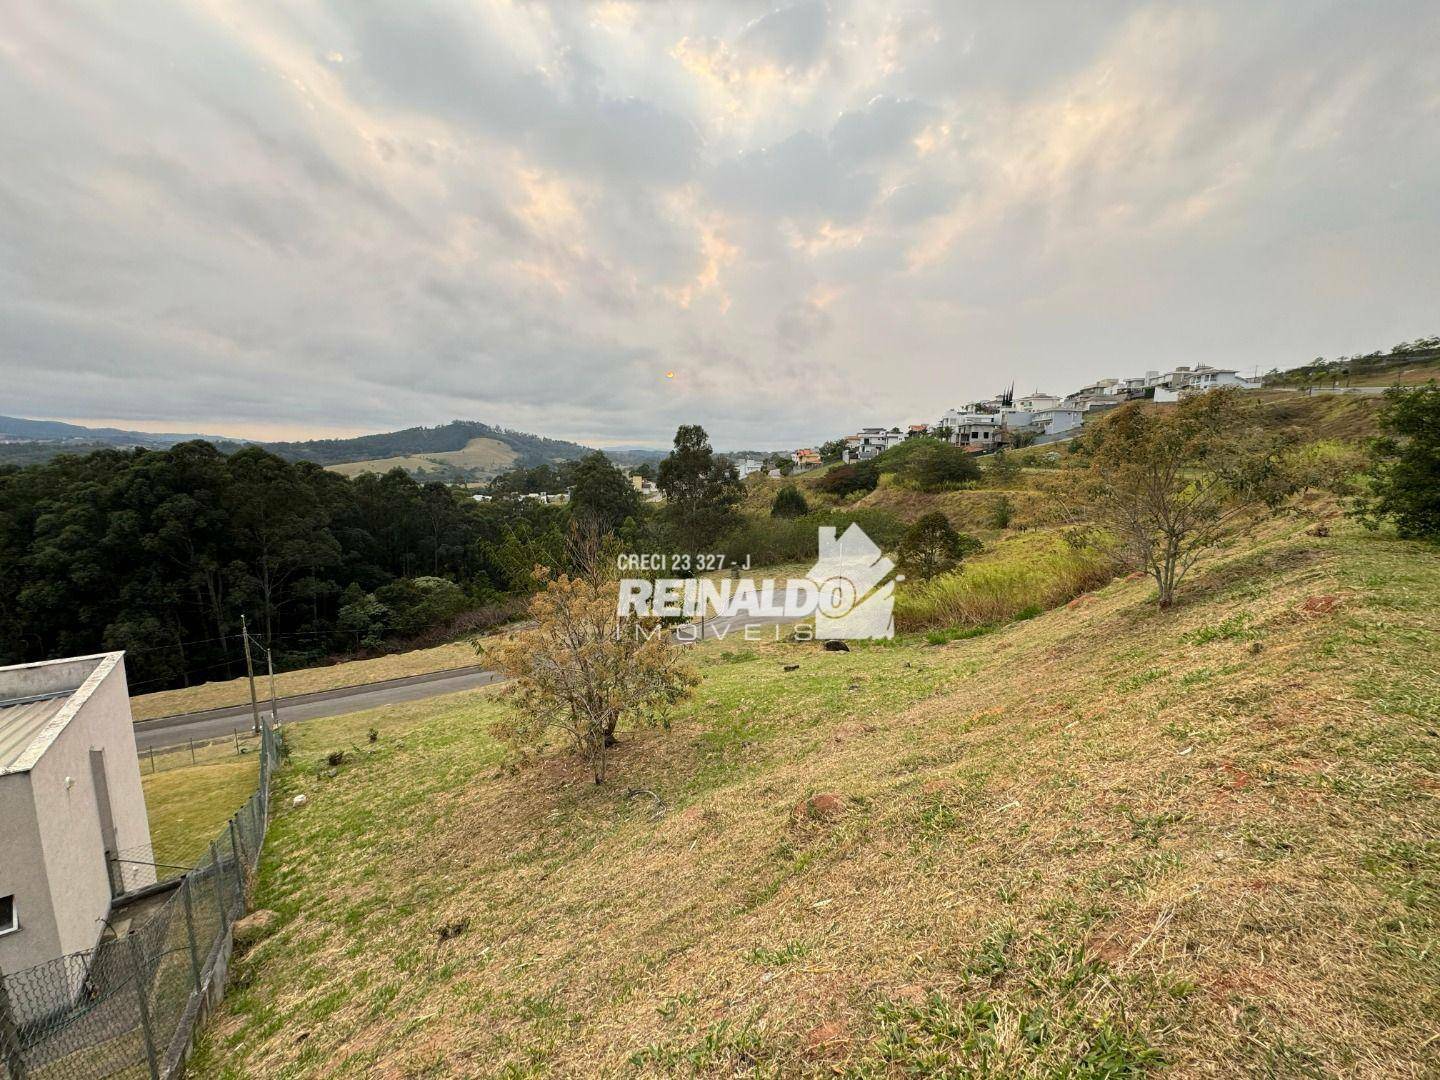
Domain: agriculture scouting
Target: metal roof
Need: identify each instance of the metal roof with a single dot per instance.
(22, 720)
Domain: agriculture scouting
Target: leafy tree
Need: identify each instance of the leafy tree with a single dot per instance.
(1001, 511)
(701, 491)
(584, 671)
(645, 470)
(601, 493)
(1171, 485)
(1405, 476)
(931, 546)
(937, 466)
(830, 451)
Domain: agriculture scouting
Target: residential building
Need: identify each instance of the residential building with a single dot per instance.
(76, 834)
(1056, 421)
(971, 428)
(806, 458)
(748, 466)
(871, 442)
(917, 431)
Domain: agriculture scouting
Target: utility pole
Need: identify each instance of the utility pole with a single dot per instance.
(250, 674)
(274, 708)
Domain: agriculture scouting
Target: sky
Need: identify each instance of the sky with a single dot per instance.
(597, 222)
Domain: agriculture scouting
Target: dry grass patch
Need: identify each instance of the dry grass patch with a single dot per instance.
(1104, 842)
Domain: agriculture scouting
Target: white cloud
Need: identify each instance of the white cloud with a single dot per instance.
(818, 215)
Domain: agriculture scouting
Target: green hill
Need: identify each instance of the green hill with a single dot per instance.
(459, 450)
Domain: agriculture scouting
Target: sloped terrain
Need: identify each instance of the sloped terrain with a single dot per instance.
(1107, 841)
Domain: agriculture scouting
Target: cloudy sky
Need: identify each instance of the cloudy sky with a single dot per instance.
(281, 219)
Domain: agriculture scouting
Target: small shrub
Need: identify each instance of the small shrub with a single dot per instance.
(335, 758)
(789, 503)
(373, 735)
(932, 546)
(1002, 510)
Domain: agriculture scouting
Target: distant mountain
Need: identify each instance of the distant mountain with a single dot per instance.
(17, 427)
(460, 451)
(30, 442)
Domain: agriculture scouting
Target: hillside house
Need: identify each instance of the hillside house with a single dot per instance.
(749, 466)
(75, 833)
(806, 458)
(981, 430)
(871, 442)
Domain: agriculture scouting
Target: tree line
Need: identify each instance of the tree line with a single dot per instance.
(160, 552)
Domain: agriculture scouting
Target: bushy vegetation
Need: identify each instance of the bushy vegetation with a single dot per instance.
(1032, 574)
(789, 503)
(1406, 480)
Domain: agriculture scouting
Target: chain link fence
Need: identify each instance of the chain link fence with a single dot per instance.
(129, 1008)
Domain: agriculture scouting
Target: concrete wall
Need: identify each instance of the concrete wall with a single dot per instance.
(52, 850)
(22, 874)
(67, 809)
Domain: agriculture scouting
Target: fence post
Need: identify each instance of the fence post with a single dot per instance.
(190, 931)
(219, 886)
(142, 995)
(9, 1036)
(239, 850)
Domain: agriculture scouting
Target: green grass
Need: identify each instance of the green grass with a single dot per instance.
(1014, 580)
(189, 806)
(1105, 842)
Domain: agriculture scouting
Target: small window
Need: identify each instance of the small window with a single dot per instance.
(9, 920)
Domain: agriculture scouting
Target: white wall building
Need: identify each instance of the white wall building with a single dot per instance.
(748, 466)
(70, 804)
(871, 442)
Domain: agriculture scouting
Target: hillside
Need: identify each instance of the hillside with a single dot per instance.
(31, 442)
(1107, 841)
(459, 450)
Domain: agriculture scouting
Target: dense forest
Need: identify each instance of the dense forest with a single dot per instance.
(159, 552)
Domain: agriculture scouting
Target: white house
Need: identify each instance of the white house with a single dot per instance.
(748, 466)
(1037, 402)
(871, 442)
(71, 805)
(1055, 421)
(980, 430)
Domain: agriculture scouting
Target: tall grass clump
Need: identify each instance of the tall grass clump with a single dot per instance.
(1015, 580)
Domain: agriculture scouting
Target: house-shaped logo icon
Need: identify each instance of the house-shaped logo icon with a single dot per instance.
(856, 601)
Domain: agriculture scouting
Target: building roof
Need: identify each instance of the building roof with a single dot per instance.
(38, 700)
(22, 720)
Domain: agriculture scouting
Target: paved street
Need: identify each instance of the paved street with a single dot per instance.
(169, 731)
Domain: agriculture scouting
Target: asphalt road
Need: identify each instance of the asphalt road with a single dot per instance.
(170, 731)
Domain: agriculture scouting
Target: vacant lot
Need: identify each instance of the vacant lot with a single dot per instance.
(1108, 841)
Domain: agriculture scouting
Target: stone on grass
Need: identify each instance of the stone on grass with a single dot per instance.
(299, 800)
(823, 807)
(836, 645)
(254, 928)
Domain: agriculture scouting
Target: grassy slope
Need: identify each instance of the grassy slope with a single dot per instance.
(1107, 838)
(213, 695)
